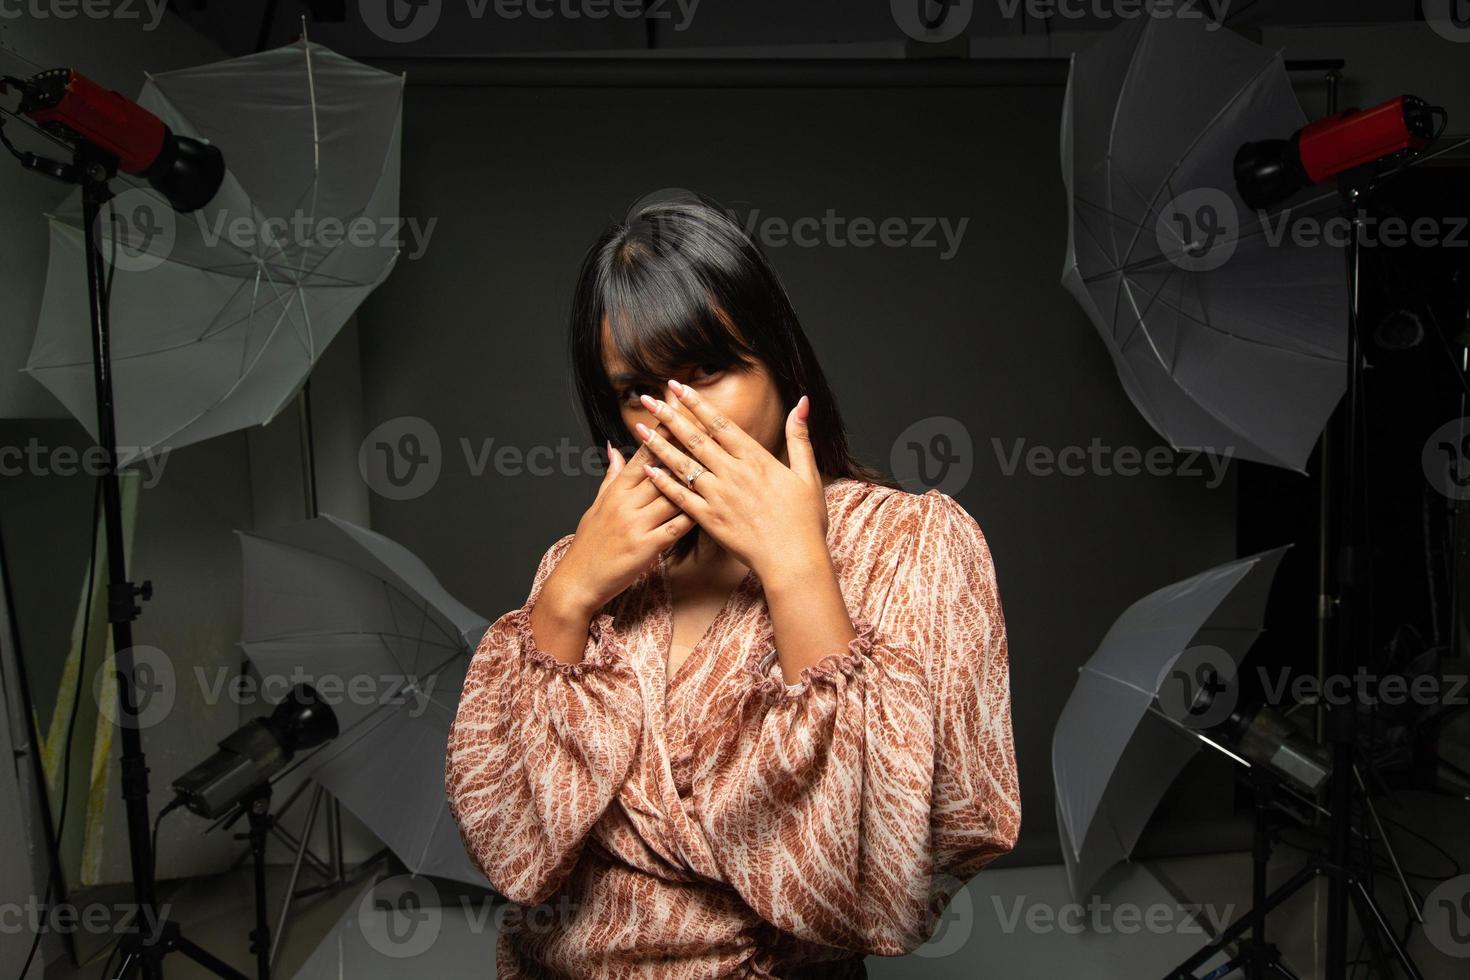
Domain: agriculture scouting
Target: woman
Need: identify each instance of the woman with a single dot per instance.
(754, 716)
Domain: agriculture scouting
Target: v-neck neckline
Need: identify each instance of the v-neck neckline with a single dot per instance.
(667, 607)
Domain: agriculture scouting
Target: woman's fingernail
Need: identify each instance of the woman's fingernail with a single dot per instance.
(678, 388)
(644, 431)
(608, 444)
(650, 403)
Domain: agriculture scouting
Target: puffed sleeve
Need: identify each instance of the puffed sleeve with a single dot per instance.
(538, 748)
(847, 809)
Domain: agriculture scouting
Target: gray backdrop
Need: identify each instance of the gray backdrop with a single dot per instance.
(467, 343)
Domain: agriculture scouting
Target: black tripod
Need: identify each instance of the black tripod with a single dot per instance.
(1343, 581)
(92, 170)
(1257, 956)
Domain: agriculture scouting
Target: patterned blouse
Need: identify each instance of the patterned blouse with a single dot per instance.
(723, 823)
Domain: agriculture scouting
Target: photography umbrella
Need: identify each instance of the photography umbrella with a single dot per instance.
(365, 622)
(1113, 757)
(1227, 327)
(219, 315)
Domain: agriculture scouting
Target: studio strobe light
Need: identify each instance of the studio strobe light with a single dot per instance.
(72, 107)
(1268, 172)
(257, 750)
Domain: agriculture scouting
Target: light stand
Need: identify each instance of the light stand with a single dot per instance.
(92, 173)
(91, 168)
(1340, 604)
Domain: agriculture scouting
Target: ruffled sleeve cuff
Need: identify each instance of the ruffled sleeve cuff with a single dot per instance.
(843, 664)
(602, 652)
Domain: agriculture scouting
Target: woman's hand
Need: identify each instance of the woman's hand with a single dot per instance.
(770, 516)
(628, 525)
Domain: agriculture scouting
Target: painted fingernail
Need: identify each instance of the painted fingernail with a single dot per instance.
(644, 432)
(650, 403)
(653, 471)
(678, 388)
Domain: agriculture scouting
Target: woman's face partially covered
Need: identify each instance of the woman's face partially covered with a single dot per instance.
(745, 394)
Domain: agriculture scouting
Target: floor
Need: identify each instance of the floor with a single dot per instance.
(1010, 922)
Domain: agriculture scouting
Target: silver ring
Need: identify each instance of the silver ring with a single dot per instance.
(694, 474)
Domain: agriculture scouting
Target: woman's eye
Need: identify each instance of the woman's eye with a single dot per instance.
(708, 369)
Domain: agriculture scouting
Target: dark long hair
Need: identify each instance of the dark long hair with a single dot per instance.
(681, 284)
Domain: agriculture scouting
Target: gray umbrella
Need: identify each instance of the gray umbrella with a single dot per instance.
(362, 619)
(1228, 335)
(1114, 752)
(227, 309)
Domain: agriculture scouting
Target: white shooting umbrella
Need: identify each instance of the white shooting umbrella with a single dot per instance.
(1228, 328)
(219, 315)
(365, 621)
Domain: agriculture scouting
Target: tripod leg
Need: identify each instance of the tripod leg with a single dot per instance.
(1388, 846)
(125, 970)
(1278, 967)
(338, 875)
(208, 960)
(1373, 921)
(316, 799)
(1246, 921)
